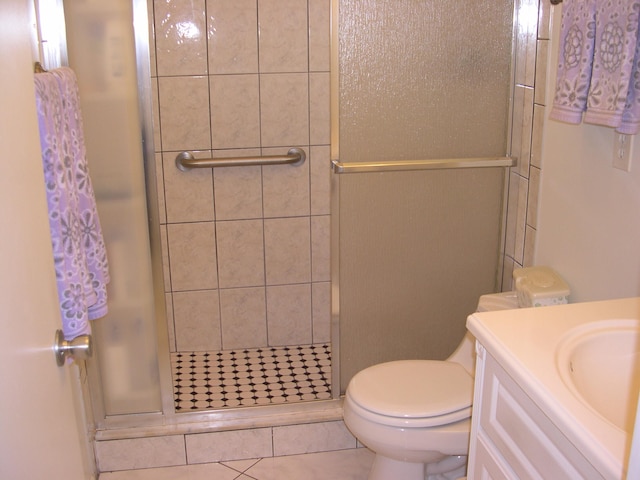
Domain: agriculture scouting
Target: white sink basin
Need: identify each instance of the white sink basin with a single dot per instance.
(600, 363)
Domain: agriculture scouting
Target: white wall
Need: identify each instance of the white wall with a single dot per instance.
(589, 212)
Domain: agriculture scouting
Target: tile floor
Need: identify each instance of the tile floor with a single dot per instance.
(249, 377)
(353, 464)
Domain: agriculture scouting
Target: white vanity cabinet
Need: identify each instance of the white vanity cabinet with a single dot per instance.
(511, 437)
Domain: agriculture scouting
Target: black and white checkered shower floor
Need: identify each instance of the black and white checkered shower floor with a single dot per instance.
(250, 377)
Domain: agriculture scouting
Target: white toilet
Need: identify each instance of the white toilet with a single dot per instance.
(415, 415)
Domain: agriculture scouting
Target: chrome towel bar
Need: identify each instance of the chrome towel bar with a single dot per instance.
(185, 161)
(435, 164)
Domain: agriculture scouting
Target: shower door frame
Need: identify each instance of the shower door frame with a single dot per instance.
(167, 420)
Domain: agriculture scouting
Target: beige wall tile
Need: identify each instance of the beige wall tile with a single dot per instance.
(319, 101)
(512, 214)
(320, 165)
(155, 115)
(233, 44)
(168, 301)
(526, 35)
(232, 445)
(188, 195)
(238, 191)
(287, 250)
(544, 20)
(321, 311)
(522, 126)
(319, 35)
(164, 245)
(192, 256)
(285, 188)
(240, 248)
(289, 314)
(521, 219)
(284, 109)
(181, 37)
(536, 135)
(235, 111)
(136, 453)
(313, 437)
(197, 320)
(162, 211)
(152, 38)
(282, 26)
(184, 113)
(541, 72)
(529, 247)
(320, 248)
(532, 199)
(244, 318)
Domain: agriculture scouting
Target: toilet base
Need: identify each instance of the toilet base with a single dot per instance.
(385, 468)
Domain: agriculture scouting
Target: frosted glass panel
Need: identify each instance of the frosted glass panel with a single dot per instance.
(424, 78)
(418, 79)
(100, 43)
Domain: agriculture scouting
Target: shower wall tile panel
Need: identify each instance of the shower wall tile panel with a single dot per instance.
(238, 191)
(284, 109)
(233, 445)
(218, 104)
(241, 251)
(188, 195)
(235, 111)
(231, 35)
(283, 33)
(249, 245)
(285, 188)
(310, 438)
(244, 317)
(196, 316)
(181, 45)
(289, 314)
(532, 35)
(184, 113)
(319, 31)
(135, 453)
(321, 311)
(192, 256)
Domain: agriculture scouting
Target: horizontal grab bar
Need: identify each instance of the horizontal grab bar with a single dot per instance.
(185, 161)
(436, 164)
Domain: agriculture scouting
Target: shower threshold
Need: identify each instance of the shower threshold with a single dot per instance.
(250, 377)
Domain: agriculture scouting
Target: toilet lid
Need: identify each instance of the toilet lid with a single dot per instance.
(413, 388)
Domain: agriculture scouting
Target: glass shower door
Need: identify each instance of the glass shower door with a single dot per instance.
(413, 250)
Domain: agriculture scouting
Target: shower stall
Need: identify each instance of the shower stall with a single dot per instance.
(270, 286)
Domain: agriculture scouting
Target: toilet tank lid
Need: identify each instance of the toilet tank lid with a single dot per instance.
(498, 301)
(413, 388)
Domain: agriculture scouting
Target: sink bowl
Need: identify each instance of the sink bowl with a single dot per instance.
(600, 363)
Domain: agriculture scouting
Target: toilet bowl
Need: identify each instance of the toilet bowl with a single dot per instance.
(415, 415)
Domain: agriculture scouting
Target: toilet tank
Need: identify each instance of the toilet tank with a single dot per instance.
(465, 354)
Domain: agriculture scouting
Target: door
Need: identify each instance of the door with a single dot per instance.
(40, 433)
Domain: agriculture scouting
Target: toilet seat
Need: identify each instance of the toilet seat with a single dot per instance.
(421, 393)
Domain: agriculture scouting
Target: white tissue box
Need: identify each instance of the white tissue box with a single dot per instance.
(540, 287)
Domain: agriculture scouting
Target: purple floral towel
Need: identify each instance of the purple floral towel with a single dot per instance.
(598, 64)
(79, 252)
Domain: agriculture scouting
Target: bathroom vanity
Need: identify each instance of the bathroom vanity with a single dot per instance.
(556, 390)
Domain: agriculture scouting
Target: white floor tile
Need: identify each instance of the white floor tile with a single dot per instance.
(339, 465)
(205, 471)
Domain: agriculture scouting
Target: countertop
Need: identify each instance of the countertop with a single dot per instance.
(524, 341)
